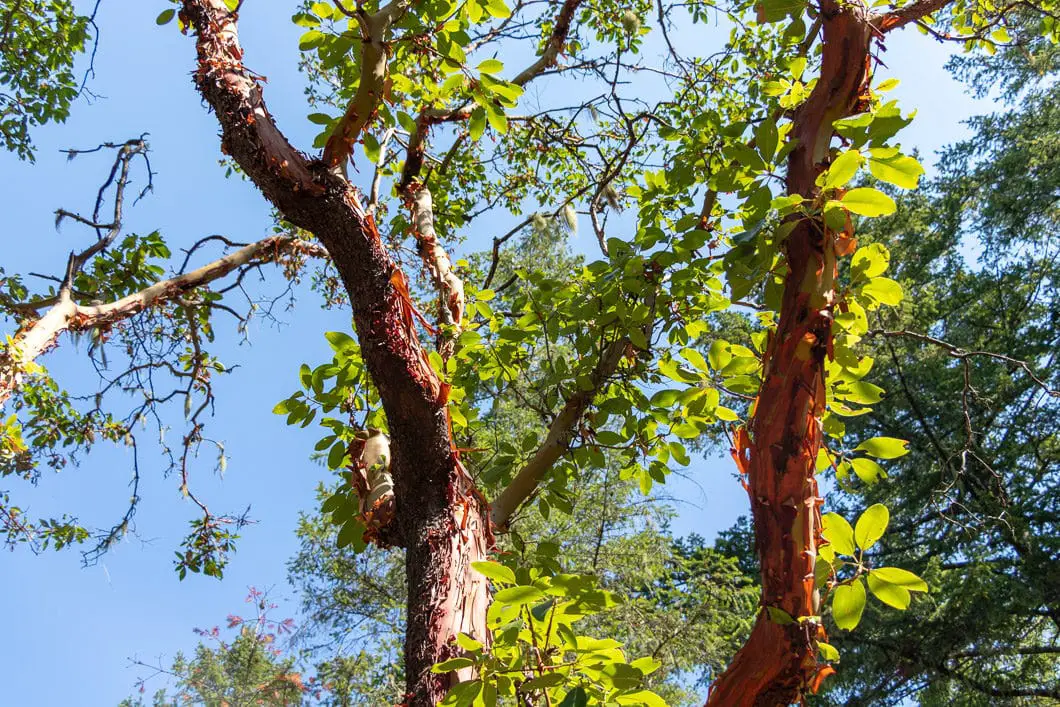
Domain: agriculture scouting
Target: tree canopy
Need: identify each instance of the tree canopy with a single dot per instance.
(496, 422)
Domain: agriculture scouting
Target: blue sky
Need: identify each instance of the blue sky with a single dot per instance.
(71, 631)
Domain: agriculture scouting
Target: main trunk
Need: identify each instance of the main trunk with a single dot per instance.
(446, 528)
(440, 519)
(778, 664)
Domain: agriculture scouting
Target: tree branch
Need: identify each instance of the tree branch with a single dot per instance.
(561, 431)
(900, 17)
(436, 260)
(556, 41)
(39, 336)
(961, 354)
(374, 68)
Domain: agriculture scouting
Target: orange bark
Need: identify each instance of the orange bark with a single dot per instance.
(778, 664)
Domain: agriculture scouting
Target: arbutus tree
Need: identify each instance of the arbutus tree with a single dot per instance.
(443, 143)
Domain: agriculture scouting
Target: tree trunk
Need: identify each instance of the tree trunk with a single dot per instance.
(441, 519)
(778, 664)
(446, 525)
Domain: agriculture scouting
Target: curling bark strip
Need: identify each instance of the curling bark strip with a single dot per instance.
(778, 664)
(439, 518)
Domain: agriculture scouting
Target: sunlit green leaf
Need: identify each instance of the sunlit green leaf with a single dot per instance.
(884, 447)
(871, 525)
(848, 603)
(837, 531)
(867, 201)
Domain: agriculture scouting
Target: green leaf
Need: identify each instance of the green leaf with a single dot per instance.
(462, 694)
(695, 358)
(520, 595)
(491, 66)
(332, 503)
(867, 470)
(884, 290)
(352, 533)
(837, 531)
(641, 698)
(336, 455)
(901, 578)
(871, 525)
(828, 652)
(165, 17)
(867, 201)
(848, 603)
(719, 354)
(455, 82)
(884, 447)
(822, 571)
(497, 8)
(467, 642)
(372, 149)
(779, 616)
(869, 262)
(900, 170)
(304, 19)
(477, 124)
(646, 665)
(766, 137)
(889, 594)
(861, 392)
(843, 170)
(542, 681)
(495, 571)
(339, 341)
(575, 698)
(309, 40)
(322, 10)
(447, 666)
(497, 119)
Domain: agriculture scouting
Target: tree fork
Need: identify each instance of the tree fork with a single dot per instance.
(778, 664)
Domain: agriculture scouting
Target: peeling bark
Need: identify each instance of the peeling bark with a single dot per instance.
(449, 531)
(439, 514)
(436, 260)
(778, 664)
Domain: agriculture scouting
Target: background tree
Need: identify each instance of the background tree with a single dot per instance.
(250, 669)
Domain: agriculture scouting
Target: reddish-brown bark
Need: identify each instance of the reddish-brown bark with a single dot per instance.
(439, 517)
(778, 664)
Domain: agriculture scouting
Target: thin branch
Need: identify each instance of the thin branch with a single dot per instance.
(39, 336)
(959, 353)
(900, 17)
